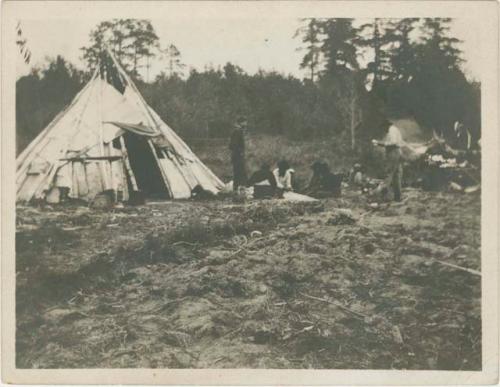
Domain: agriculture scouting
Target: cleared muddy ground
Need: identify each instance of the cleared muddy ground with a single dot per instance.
(254, 285)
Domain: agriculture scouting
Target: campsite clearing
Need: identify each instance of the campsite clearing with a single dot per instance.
(180, 284)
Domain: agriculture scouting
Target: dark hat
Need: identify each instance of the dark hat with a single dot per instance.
(283, 164)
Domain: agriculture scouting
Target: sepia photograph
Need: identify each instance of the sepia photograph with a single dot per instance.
(288, 191)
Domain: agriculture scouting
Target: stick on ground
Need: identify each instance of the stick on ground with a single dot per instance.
(471, 271)
(357, 314)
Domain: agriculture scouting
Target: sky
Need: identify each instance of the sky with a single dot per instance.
(250, 43)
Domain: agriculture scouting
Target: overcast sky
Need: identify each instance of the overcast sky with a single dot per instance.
(251, 43)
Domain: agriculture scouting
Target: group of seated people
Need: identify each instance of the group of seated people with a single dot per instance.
(267, 183)
(274, 183)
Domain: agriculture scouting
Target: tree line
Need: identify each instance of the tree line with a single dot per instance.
(358, 76)
(412, 67)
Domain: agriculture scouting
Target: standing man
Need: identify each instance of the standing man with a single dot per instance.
(237, 148)
(463, 137)
(392, 144)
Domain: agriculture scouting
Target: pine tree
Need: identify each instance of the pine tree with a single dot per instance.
(373, 37)
(338, 47)
(438, 87)
(401, 50)
(341, 74)
(175, 67)
(131, 40)
(311, 37)
(438, 45)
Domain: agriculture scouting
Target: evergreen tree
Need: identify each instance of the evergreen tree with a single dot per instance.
(143, 43)
(340, 78)
(438, 92)
(438, 46)
(338, 47)
(131, 40)
(373, 37)
(172, 55)
(311, 37)
(401, 50)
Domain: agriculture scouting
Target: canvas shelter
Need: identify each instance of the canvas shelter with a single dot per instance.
(415, 140)
(109, 140)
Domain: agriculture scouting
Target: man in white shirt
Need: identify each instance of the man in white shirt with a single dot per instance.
(392, 144)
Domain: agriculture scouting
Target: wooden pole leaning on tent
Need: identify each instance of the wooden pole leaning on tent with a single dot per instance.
(175, 162)
(126, 162)
(103, 165)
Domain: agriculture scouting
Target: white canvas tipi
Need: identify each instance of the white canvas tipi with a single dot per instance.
(109, 140)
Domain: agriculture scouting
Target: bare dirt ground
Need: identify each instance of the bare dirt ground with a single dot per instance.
(254, 285)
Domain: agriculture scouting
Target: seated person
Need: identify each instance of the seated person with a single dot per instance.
(332, 181)
(315, 182)
(199, 193)
(324, 183)
(357, 175)
(264, 182)
(283, 175)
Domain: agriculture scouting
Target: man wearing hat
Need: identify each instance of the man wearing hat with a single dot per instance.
(237, 148)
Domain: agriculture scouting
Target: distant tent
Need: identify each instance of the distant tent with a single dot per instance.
(109, 140)
(416, 141)
(411, 131)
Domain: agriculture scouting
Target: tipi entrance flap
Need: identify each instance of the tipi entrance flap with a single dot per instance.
(139, 129)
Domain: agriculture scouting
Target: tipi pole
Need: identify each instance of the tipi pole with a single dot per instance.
(128, 167)
(102, 163)
(176, 163)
